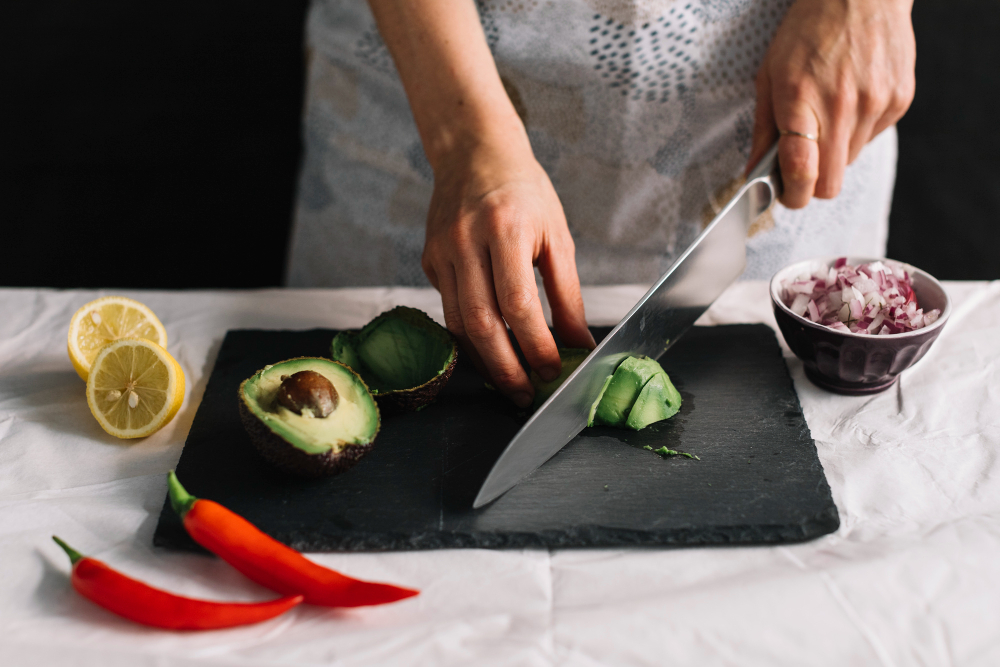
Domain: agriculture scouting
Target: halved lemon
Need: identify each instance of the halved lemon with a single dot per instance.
(108, 319)
(134, 388)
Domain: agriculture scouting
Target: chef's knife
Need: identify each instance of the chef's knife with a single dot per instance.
(713, 261)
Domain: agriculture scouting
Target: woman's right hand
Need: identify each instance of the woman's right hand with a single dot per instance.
(494, 215)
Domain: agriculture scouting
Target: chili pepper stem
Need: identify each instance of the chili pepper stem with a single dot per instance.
(180, 499)
(74, 555)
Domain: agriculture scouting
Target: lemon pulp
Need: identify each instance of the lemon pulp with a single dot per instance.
(109, 319)
(134, 388)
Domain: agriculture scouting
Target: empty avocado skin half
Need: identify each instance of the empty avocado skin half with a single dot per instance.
(302, 444)
(403, 355)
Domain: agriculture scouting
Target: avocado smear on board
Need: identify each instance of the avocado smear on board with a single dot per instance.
(665, 452)
(638, 394)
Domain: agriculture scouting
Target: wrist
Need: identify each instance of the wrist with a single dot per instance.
(892, 6)
(470, 128)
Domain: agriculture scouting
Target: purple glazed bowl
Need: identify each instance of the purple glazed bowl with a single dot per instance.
(850, 363)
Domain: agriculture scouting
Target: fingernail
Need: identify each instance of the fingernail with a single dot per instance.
(548, 373)
(522, 399)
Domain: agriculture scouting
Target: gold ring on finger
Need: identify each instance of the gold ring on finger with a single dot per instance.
(804, 135)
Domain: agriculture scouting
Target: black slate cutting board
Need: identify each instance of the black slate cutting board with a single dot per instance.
(759, 480)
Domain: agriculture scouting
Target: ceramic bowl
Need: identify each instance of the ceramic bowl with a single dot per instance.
(850, 363)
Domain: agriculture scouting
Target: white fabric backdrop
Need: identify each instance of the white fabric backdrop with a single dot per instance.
(911, 578)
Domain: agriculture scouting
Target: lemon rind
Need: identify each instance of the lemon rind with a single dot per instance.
(76, 357)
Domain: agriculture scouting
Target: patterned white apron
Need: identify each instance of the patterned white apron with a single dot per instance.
(641, 112)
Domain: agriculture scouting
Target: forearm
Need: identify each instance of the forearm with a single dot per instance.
(447, 70)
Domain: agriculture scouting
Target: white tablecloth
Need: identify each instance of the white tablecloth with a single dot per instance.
(911, 578)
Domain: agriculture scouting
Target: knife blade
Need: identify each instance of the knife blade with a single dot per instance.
(711, 263)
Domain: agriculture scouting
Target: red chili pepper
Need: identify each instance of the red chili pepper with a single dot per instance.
(269, 562)
(139, 602)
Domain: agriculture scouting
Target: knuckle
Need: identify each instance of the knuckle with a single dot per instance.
(798, 169)
(903, 97)
(457, 236)
(506, 376)
(844, 98)
(479, 322)
(517, 303)
(873, 103)
(537, 350)
(793, 88)
(453, 321)
(497, 221)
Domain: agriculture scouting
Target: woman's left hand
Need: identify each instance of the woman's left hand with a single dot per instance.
(841, 71)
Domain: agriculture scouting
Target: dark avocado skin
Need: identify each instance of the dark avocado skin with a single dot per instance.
(291, 459)
(409, 400)
(398, 401)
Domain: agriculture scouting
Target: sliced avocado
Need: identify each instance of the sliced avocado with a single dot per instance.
(571, 358)
(657, 401)
(638, 394)
(309, 416)
(597, 401)
(626, 383)
(403, 355)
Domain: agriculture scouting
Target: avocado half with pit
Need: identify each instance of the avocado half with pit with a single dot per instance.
(309, 416)
(403, 356)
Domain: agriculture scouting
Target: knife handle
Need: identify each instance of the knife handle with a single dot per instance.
(768, 165)
(764, 182)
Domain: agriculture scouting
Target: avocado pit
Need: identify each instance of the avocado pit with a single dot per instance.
(308, 393)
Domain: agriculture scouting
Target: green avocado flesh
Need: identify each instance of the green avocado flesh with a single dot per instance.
(571, 358)
(637, 395)
(597, 401)
(628, 380)
(657, 401)
(398, 350)
(355, 421)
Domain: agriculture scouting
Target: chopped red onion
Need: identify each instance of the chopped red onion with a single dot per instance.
(875, 298)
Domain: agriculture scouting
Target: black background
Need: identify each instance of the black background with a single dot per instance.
(156, 144)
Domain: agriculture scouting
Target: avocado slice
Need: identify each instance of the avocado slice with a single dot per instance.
(627, 382)
(597, 401)
(309, 416)
(403, 355)
(636, 395)
(621, 404)
(658, 400)
(571, 358)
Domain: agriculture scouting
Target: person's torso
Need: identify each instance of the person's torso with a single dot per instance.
(641, 112)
